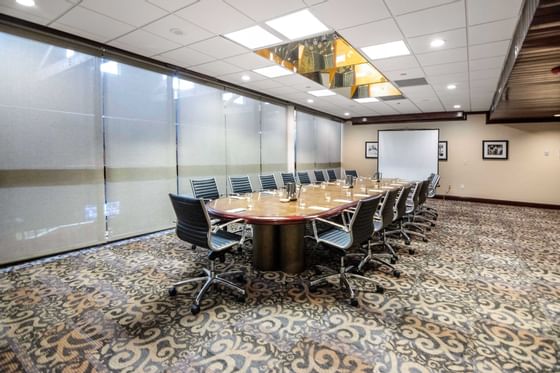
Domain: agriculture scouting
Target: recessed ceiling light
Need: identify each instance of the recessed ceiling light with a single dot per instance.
(393, 49)
(456, 106)
(347, 114)
(176, 31)
(310, 100)
(297, 25)
(364, 119)
(451, 86)
(557, 115)
(273, 71)
(366, 99)
(321, 93)
(245, 78)
(436, 43)
(26, 2)
(253, 37)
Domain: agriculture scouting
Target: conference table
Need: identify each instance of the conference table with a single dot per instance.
(279, 225)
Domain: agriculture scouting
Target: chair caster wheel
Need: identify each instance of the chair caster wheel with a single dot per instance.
(397, 274)
(407, 242)
(394, 259)
(172, 292)
(411, 251)
(425, 239)
(195, 309)
(379, 289)
(354, 302)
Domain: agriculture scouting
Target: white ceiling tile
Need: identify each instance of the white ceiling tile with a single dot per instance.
(43, 12)
(406, 6)
(396, 63)
(429, 105)
(308, 85)
(92, 25)
(133, 12)
(263, 84)
(419, 92)
(216, 68)
(372, 33)
(450, 106)
(487, 63)
(216, 16)
(449, 78)
(453, 39)
(292, 79)
(265, 10)
(283, 90)
(408, 73)
(403, 106)
(314, 2)
(447, 68)
(381, 108)
(249, 61)
(172, 5)
(235, 78)
(485, 74)
(178, 30)
(355, 12)
(494, 31)
(480, 11)
(499, 48)
(218, 47)
(143, 42)
(488, 84)
(443, 57)
(185, 57)
(432, 20)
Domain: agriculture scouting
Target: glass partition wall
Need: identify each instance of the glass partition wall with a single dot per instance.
(90, 148)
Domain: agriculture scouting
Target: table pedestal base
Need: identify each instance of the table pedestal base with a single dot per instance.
(279, 247)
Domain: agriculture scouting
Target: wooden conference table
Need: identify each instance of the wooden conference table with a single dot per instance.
(279, 227)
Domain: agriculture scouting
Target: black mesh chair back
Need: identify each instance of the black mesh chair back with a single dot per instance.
(332, 175)
(351, 172)
(400, 205)
(288, 177)
(303, 177)
(268, 182)
(319, 176)
(205, 188)
(240, 184)
(361, 224)
(433, 186)
(193, 222)
(414, 196)
(423, 192)
(388, 207)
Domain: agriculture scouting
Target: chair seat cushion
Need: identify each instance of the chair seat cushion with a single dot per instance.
(222, 240)
(336, 238)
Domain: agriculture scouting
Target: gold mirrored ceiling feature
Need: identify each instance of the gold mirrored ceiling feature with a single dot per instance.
(330, 61)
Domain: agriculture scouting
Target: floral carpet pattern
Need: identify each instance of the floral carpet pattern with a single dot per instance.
(483, 295)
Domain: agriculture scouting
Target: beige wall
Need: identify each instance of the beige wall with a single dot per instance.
(528, 175)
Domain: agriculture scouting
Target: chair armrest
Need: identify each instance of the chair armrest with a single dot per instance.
(340, 226)
(221, 226)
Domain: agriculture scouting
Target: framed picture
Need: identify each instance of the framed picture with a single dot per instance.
(442, 150)
(494, 149)
(371, 149)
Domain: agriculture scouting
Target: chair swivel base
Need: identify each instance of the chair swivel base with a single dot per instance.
(210, 277)
(377, 258)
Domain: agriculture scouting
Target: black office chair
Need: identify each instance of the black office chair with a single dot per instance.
(381, 220)
(341, 237)
(288, 177)
(351, 173)
(303, 177)
(332, 175)
(428, 210)
(194, 226)
(319, 176)
(268, 182)
(205, 188)
(410, 227)
(396, 229)
(240, 184)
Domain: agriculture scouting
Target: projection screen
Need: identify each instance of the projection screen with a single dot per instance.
(408, 154)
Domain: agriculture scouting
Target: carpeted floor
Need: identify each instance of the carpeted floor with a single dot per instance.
(483, 295)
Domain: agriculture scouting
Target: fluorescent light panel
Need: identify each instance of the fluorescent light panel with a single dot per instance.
(273, 71)
(297, 25)
(392, 49)
(321, 93)
(253, 37)
(366, 100)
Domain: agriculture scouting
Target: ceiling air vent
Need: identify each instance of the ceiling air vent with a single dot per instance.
(411, 82)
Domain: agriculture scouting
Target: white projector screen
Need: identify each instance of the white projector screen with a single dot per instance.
(408, 154)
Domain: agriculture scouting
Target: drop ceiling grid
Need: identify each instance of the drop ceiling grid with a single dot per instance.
(479, 60)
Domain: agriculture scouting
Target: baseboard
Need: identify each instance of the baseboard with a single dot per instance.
(499, 202)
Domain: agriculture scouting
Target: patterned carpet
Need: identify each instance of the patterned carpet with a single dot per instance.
(482, 296)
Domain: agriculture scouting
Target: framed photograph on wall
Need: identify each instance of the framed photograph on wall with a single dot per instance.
(495, 149)
(442, 150)
(372, 148)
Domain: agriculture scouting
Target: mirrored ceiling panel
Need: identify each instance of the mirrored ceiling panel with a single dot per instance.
(330, 61)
